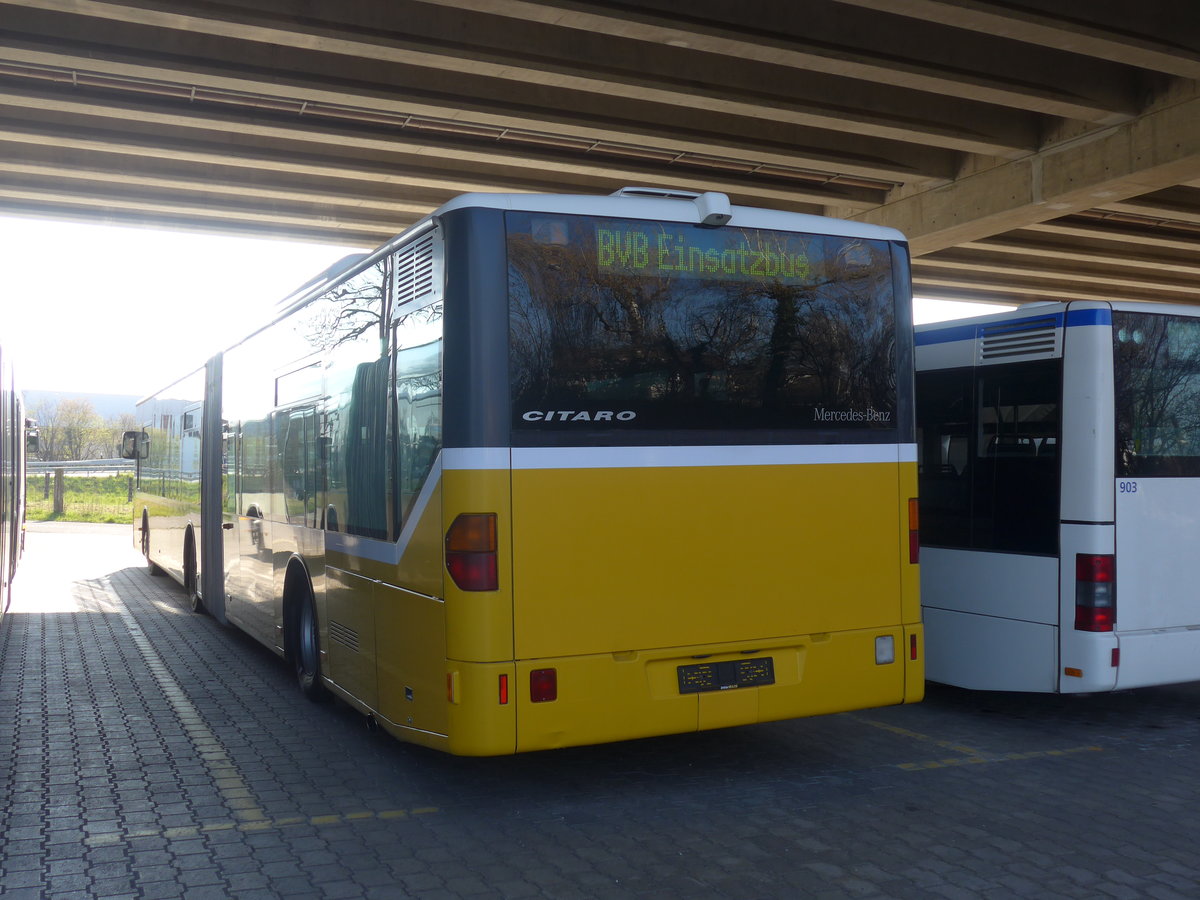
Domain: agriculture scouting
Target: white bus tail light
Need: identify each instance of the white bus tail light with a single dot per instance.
(885, 650)
(471, 552)
(1095, 592)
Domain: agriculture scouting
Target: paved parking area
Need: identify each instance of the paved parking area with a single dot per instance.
(151, 753)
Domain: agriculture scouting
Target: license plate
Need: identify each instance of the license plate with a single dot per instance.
(723, 676)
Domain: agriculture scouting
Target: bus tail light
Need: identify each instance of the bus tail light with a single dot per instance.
(914, 530)
(471, 552)
(1095, 592)
(543, 685)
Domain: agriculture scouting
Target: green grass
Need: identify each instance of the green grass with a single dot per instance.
(85, 499)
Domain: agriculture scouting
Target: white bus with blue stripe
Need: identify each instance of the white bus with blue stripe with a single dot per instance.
(1059, 469)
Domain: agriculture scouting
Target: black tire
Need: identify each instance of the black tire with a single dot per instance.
(306, 650)
(191, 580)
(151, 567)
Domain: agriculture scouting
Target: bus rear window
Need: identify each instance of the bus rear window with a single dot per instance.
(1157, 386)
(731, 335)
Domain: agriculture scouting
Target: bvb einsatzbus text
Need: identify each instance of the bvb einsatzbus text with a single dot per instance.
(635, 251)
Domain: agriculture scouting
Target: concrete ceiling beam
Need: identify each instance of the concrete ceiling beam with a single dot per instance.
(1158, 149)
(1016, 289)
(82, 175)
(1178, 204)
(184, 125)
(852, 46)
(1112, 252)
(674, 130)
(996, 266)
(869, 110)
(1104, 30)
(1089, 227)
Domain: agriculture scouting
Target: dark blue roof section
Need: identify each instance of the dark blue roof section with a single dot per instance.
(957, 332)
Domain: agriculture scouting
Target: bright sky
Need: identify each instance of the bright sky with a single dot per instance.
(113, 310)
(102, 309)
(927, 310)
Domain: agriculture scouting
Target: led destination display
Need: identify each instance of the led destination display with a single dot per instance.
(658, 250)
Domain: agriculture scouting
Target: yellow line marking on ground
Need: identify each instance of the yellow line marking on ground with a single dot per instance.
(248, 816)
(996, 758)
(187, 832)
(917, 736)
(238, 797)
(972, 757)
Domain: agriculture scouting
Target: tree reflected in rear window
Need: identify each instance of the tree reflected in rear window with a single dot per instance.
(635, 331)
(1157, 382)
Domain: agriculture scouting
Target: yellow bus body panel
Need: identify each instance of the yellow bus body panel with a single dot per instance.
(610, 697)
(631, 559)
(352, 635)
(480, 725)
(621, 576)
(411, 630)
(615, 578)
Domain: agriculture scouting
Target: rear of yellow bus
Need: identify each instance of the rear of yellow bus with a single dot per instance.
(703, 516)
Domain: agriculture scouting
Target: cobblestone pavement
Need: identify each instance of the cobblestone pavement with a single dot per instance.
(150, 753)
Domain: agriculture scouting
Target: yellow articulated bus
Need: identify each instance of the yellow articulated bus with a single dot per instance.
(556, 470)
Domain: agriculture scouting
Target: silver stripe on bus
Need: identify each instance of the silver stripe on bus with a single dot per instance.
(389, 552)
(467, 458)
(476, 458)
(674, 457)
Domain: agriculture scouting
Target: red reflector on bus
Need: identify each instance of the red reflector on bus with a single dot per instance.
(471, 552)
(1095, 592)
(1100, 568)
(503, 689)
(473, 571)
(543, 685)
(912, 646)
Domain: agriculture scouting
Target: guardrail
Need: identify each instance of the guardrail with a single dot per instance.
(83, 466)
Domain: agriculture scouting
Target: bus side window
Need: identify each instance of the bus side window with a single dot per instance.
(996, 484)
(943, 411)
(1015, 488)
(298, 464)
(417, 343)
(348, 322)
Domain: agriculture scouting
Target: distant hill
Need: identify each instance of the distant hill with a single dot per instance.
(107, 406)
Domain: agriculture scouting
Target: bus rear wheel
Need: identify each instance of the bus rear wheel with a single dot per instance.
(151, 567)
(306, 649)
(191, 579)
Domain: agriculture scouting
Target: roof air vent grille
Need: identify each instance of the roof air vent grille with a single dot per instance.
(1030, 339)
